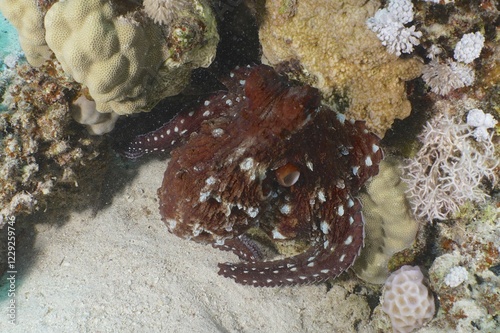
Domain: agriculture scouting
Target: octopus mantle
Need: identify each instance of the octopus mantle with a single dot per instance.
(266, 154)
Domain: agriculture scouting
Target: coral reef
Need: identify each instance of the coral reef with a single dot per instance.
(390, 226)
(452, 52)
(103, 45)
(111, 59)
(361, 55)
(451, 75)
(407, 300)
(462, 276)
(332, 43)
(40, 146)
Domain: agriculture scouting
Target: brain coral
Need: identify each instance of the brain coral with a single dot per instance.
(331, 41)
(126, 60)
(27, 17)
(407, 301)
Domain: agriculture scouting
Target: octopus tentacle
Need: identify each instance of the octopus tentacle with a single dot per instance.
(171, 135)
(179, 129)
(323, 261)
(244, 247)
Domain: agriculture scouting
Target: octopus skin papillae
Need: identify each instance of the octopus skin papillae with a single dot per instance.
(266, 154)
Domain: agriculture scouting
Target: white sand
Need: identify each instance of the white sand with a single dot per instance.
(120, 270)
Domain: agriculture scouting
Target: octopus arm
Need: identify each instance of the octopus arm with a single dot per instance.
(242, 246)
(177, 132)
(326, 259)
(174, 133)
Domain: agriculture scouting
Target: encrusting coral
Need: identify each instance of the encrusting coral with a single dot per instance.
(341, 56)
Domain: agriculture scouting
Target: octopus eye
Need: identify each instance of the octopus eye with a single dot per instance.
(287, 175)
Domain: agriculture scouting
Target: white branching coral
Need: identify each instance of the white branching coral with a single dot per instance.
(448, 170)
(482, 122)
(469, 47)
(164, 11)
(389, 25)
(445, 77)
(401, 10)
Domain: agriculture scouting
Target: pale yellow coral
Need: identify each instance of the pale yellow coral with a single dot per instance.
(390, 226)
(125, 61)
(331, 41)
(27, 17)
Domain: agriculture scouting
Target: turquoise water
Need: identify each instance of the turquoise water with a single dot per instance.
(9, 42)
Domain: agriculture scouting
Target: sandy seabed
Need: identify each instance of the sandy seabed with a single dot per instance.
(118, 269)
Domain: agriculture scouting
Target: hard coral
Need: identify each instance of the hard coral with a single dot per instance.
(341, 56)
(27, 17)
(128, 63)
(389, 25)
(390, 226)
(406, 300)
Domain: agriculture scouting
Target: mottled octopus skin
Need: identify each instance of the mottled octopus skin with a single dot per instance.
(222, 177)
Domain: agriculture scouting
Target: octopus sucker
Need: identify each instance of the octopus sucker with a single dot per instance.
(242, 246)
(266, 154)
(317, 264)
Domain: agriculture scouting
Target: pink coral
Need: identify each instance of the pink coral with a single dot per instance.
(407, 300)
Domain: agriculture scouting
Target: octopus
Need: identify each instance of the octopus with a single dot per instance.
(266, 154)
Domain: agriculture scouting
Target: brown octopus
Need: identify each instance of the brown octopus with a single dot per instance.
(266, 154)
